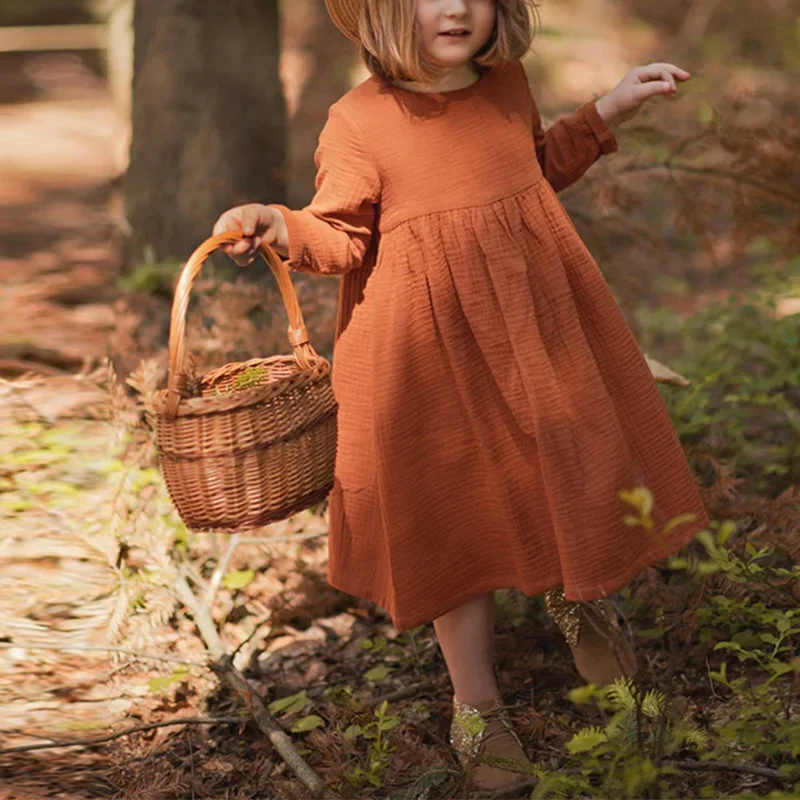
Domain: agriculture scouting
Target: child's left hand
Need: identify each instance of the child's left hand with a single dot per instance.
(624, 101)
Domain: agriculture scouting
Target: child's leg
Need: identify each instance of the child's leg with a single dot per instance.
(601, 651)
(466, 636)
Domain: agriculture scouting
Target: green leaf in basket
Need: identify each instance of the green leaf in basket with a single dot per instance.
(307, 724)
(290, 704)
(252, 376)
(238, 579)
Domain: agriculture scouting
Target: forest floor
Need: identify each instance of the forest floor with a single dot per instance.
(90, 551)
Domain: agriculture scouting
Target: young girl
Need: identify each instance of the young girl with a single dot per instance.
(493, 402)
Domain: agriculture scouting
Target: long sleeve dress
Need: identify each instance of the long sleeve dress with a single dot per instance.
(493, 401)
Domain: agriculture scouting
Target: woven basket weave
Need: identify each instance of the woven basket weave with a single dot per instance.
(252, 442)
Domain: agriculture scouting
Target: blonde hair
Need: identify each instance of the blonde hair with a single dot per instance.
(390, 49)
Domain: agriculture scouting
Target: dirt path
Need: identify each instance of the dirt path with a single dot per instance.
(57, 258)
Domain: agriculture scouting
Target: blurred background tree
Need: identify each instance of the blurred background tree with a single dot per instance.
(209, 119)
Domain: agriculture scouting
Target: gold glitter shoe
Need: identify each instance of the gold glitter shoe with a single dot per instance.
(487, 745)
(599, 646)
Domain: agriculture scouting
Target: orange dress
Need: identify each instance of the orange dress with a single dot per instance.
(493, 400)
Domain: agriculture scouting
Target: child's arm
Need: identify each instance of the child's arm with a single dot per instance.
(332, 234)
(571, 144)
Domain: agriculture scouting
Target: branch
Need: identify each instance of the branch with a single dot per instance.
(119, 734)
(401, 694)
(222, 568)
(223, 668)
(270, 728)
(291, 537)
(714, 173)
(722, 766)
(202, 617)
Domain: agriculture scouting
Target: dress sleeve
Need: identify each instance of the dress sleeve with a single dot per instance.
(332, 234)
(571, 144)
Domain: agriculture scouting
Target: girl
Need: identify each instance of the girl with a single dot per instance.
(493, 402)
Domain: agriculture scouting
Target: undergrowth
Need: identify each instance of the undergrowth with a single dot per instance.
(714, 714)
(744, 404)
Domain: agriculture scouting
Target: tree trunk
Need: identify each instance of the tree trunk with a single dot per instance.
(209, 120)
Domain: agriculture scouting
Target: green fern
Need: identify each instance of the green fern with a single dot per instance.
(586, 740)
(687, 735)
(621, 729)
(622, 694)
(653, 704)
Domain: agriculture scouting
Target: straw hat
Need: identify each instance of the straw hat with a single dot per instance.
(345, 14)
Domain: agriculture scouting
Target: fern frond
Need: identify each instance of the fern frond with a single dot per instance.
(687, 735)
(121, 613)
(586, 740)
(621, 729)
(622, 695)
(653, 703)
(559, 787)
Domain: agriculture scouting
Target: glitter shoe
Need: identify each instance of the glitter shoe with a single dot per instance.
(487, 746)
(600, 648)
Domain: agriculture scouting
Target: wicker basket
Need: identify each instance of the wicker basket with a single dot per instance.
(248, 443)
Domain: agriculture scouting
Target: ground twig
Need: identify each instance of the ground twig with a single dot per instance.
(402, 694)
(222, 568)
(267, 724)
(223, 667)
(722, 766)
(26, 748)
(202, 617)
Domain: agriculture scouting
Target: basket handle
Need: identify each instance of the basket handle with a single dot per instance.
(297, 333)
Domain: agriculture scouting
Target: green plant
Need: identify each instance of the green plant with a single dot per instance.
(758, 630)
(379, 749)
(751, 615)
(624, 758)
(745, 363)
(251, 377)
(152, 278)
(405, 650)
(248, 379)
(294, 704)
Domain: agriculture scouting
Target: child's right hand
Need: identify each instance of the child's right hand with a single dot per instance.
(258, 223)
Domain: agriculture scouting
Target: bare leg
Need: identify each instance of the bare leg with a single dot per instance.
(466, 636)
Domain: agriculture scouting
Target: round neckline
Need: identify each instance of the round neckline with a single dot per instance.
(445, 94)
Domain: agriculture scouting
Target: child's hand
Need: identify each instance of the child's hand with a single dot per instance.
(259, 224)
(624, 101)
